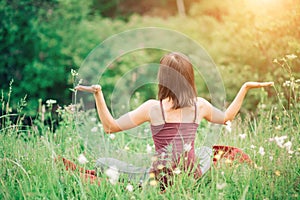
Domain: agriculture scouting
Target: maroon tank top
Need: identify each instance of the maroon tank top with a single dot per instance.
(174, 144)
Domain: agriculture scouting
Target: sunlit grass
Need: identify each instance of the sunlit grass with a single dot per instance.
(270, 136)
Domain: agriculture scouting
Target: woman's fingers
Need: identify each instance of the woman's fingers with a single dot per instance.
(266, 84)
(92, 89)
(259, 84)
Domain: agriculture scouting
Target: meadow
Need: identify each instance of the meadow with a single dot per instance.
(30, 168)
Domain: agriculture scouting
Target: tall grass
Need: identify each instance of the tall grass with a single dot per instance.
(28, 169)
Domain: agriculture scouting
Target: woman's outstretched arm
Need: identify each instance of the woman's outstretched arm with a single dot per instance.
(214, 115)
(111, 125)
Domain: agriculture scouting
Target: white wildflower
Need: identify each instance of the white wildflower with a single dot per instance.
(113, 174)
(258, 167)
(252, 146)
(146, 130)
(129, 187)
(93, 119)
(271, 158)
(50, 102)
(262, 106)
(176, 171)
(275, 60)
(261, 151)
(280, 140)
(112, 136)
(187, 147)
(74, 73)
(290, 152)
(126, 148)
(82, 159)
(221, 186)
(228, 126)
(242, 136)
(148, 148)
(291, 56)
(286, 84)
(288, 145)
(153, 182)
(94, 129)
(278, 127)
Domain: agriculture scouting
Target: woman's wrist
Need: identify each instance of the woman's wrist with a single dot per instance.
(97, 89)
(245, 86)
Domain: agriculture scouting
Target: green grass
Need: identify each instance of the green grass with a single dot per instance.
(28, 169)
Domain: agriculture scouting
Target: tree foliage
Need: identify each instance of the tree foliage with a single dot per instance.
(41, 41)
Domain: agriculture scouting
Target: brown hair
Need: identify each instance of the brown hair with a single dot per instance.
(176, 80)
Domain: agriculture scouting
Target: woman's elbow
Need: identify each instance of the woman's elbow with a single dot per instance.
(109, 130)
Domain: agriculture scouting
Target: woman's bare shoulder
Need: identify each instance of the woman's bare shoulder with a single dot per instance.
(201, 102)
(151, 103)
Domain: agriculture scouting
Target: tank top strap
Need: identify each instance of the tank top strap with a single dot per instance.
(195, 116)
(162, 111)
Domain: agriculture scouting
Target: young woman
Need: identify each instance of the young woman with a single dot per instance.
(174, 117)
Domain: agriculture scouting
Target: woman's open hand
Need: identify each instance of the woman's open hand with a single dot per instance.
(92, 88)
(250, 85)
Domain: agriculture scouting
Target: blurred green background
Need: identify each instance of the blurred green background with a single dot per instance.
(41, 41)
